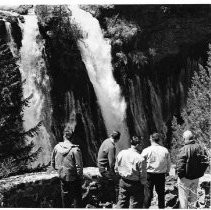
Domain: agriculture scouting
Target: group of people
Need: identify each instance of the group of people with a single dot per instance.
(138, 170)
(131, 175)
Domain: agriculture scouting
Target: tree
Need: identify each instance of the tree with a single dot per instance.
(15, 151)
(196, 114)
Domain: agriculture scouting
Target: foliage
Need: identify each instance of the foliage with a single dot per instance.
(122, 28)
(23, 9)
(138, 58)
(15, 151)
(59, 19)
(196, 114)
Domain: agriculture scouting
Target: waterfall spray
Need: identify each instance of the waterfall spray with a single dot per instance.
(33, 71)
(96, 55)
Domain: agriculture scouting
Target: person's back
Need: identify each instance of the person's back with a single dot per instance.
(157, 158)
(131, 167)
(192, 161)
(191, 164)
(105, 162)
(67, 160)
(130, 164)
(158, 165)
(106, 155)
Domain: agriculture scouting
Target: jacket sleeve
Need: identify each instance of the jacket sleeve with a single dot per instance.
(53, 158)
(111, 158)
(78, 161)
(205, 157)
(181, 163)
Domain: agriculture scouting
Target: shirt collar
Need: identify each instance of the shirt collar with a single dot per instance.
(112, 140)
(133, 148)
(189, 142)
(67, 143)
(155, 144)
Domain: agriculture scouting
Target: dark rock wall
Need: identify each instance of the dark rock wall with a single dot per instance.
(155, 50)
(71, 90)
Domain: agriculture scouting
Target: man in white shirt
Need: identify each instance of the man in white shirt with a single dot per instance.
(158, 165)
(131, 167)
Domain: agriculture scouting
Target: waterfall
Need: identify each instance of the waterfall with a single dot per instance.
(11, 43)
(96, 55)
(33, 71)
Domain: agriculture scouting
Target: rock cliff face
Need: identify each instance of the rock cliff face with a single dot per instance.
(72, 93)
(155, 50)
(169, 41)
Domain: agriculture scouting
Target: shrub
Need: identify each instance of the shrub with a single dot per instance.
(196, 114)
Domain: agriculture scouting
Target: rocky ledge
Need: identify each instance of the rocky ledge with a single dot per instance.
(43, 190)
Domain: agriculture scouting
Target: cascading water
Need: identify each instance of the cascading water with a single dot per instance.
(96, 55)
(10, 40)
(33, 71)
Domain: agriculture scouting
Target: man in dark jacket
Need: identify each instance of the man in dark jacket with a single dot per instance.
(106, 163)
(67, 160)
(191, 165)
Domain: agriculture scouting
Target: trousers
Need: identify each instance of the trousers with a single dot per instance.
(131, 194)
(157, 180)
(109, 186)
(71, 193)
(187, 190)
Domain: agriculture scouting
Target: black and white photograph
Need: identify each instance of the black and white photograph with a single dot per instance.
(105, 105)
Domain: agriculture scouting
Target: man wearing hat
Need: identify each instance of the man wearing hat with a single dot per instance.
(191, 164)
(67, 160)
(131, 167)
(105, 163)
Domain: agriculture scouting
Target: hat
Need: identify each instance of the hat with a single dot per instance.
(187, 135)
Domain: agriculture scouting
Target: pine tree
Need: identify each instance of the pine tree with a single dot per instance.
(15, 151)
(196, 114)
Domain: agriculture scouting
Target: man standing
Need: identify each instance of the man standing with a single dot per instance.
(191, 165)
(158, 165)
(106, 162)
(131, 167)
(67, 160)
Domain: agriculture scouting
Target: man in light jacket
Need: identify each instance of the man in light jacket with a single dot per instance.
(191, 164)
(131, 167)
(158, 165)
(67, 160)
